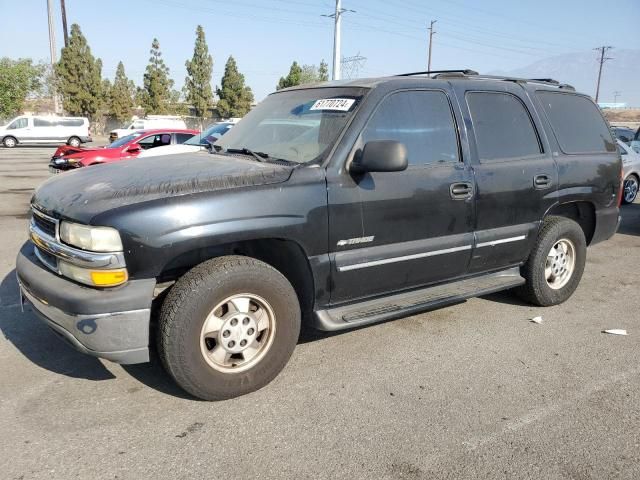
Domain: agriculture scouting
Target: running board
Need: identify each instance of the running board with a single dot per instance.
(409, 303)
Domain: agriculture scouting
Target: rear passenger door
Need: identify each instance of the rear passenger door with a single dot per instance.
(516, 176)
(391, 231)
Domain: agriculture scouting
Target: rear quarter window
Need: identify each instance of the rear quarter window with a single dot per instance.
(577, 123)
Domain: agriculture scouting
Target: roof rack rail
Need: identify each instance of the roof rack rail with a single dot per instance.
(545, 81)
(430, 72)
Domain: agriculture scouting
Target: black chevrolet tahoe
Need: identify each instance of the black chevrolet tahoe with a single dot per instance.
(340, 204)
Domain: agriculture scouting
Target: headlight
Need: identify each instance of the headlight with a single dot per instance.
(93, 277)
(93, 239)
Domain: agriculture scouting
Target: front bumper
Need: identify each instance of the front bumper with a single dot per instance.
(108, 323)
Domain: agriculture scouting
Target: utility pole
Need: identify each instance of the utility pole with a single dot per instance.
(603, 50)
(616, 94)
(63, 10)
(52, 51)
(431, 32)
(337, 15)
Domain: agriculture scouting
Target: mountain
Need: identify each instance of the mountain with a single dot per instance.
(622, 73)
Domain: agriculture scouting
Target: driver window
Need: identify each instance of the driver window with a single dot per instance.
(422, 121)
(19, 123)
(148, 142)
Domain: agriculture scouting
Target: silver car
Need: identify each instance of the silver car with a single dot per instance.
(631, 172)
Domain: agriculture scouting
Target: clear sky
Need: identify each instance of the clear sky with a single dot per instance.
(265, 36)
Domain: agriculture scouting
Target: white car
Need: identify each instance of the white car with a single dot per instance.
(151, 122)
(194, 144)
(29, 130)
(630, 172)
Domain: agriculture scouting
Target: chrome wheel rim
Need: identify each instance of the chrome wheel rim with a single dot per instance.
(237, 333)
(10, 142)
(630, 189)
(561, 262)
(74, 143)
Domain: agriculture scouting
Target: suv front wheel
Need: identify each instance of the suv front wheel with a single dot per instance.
(556, 263)
(228, 327)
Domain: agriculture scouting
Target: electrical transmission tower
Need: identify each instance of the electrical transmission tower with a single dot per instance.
(603, 50)
(351, 66)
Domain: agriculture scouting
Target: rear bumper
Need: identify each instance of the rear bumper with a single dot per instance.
(112, 323)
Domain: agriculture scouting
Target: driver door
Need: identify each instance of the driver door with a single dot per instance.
(393, 231)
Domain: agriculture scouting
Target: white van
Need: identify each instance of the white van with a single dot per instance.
(26, 130)
(150, 122)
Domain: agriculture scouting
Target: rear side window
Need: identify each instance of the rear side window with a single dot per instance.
(577, 123)
(422, 121)
(71, 122)
(502, 126)
(43, 122)
(183, 137)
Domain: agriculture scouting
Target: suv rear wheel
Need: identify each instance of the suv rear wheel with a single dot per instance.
(556, 263)
(228, 327)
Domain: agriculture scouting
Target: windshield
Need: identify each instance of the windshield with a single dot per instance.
(299, 125)
(124, 140)
(210, 135)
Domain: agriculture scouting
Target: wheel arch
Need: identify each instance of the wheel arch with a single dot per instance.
(9, 136)
(285, 255)
(582, 212)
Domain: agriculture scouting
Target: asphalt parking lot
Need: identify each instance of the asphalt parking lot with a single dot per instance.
(471, 391)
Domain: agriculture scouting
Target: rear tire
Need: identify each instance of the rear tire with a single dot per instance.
(630, 189)
(74, 142)
(9, 142)
(228, 327)
(556, 263)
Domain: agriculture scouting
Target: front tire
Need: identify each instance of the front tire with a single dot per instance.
(74, 142)
(630, 189)
(9, 142)
(228, 327)
(556, 263)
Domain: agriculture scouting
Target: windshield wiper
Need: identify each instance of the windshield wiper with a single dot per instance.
(260, 156)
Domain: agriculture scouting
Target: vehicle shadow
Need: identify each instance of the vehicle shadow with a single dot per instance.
(630, 224)
(38, 343)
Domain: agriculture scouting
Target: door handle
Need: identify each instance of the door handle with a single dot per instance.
(461, 190)
(542, 181)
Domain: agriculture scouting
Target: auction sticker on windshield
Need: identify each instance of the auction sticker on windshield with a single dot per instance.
(340, 104)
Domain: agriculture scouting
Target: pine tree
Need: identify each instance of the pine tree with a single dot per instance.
(235, 97)
(121, 96)
(323, 72)
(157, 83)
(197, 84)
(291, 80)
(79, 76)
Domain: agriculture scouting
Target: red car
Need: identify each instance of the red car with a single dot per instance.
(67, 157)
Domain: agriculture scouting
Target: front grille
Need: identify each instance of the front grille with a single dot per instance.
(44, 224)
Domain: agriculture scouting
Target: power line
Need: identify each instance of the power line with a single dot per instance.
(604, 49)
(616, 94)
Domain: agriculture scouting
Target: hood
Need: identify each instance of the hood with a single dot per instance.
(83, 193)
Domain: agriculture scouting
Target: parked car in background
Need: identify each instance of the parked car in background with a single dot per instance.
(151, 121)
(67, 157)
(625, 134)
(196, 143)
(635, 143)
(631, 172)
(30, 130)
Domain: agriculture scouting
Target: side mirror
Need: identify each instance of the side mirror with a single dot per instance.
(380, 156)
(133, 149)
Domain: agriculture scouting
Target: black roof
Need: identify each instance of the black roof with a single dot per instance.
(463, 74)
